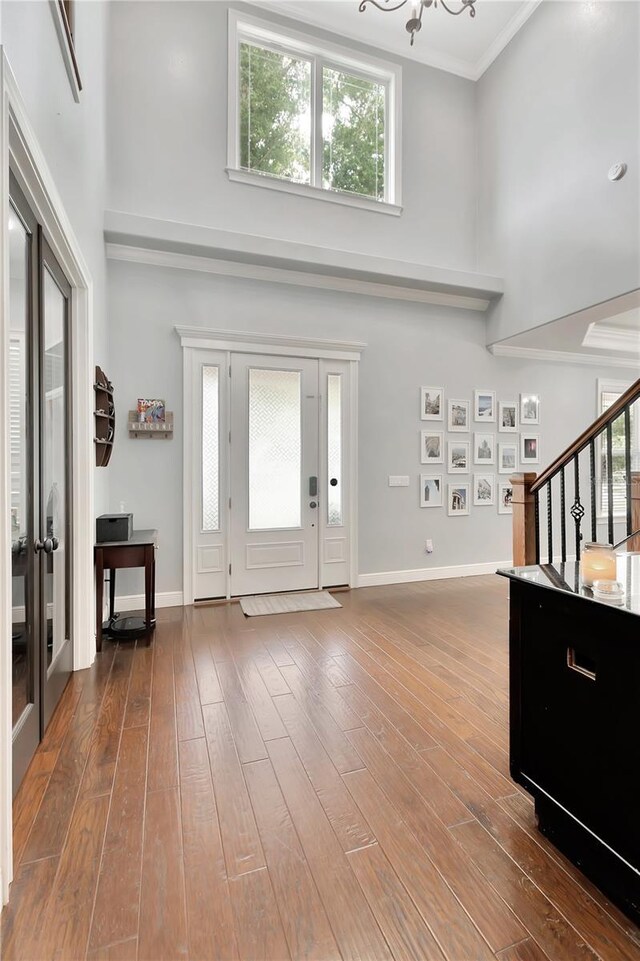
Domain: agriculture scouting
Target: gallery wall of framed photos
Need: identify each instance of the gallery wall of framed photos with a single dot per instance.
(472, 446)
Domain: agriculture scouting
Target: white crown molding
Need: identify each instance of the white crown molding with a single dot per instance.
(562, 356)
(468, 69)
(605, 337)
(295, 278)
(505, 37)
(255, 342)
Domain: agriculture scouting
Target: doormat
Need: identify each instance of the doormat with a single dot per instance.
(287, 603)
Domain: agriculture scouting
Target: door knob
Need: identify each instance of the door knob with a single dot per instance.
(46, 545)
(312, 504)
(334, 481)
(55, 543)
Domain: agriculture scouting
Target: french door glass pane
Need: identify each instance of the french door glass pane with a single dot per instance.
(21, 630)
(275, 449)
(275, 113)
(353, 133)
(334, 450)
(210, 449)
(54, 465)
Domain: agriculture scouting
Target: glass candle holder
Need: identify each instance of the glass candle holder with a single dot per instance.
(597, 563)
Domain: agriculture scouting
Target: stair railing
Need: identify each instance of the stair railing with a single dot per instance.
(562, 497)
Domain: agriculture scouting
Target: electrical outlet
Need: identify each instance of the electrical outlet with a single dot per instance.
(429, 546)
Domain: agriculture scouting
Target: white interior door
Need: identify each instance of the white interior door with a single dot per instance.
(274, 461)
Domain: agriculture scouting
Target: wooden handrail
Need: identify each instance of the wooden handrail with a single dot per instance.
(629, 396)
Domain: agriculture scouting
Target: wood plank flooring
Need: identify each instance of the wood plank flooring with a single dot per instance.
(318, 786)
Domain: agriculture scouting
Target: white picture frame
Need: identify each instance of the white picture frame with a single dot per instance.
(529, 409)
(432, 447)
(529, 448)
(458, 500)
(484, 449)
(458, 457)
(508, 417)
(484, 406)
(505, 498)
(508, 457)
(458, 416)
(431, 403)
(484, 490)
(431, 490)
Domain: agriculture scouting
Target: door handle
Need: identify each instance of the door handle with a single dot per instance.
(46, 545)
(55, 543)
(313, 487)
(334, 481)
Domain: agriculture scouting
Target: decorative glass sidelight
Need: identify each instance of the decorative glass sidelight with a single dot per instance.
(334, 450)
(275, 449)
(210, 448)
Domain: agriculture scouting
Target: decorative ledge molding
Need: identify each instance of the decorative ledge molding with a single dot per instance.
(563, 356)
(193, 247)
(606, 337)
(256, 342)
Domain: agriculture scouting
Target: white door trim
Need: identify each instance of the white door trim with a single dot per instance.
(197, 338)
(19, 144)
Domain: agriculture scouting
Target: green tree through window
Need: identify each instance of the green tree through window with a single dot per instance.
(278, 122)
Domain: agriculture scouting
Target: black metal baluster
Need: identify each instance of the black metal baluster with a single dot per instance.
(577, 511)
(610, 482)
(627, 466)
(594, 490)
(549, 523)
(536, 501)
(563, 517)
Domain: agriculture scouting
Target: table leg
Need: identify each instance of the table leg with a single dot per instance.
(99, 597)
(153, 586)
(112, 593)
(148, 591)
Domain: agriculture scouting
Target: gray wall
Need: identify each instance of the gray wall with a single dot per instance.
(71, 135)
(407, 345)
(556, 109)
(168, 144)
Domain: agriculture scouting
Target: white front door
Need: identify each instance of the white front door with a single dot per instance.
(274, 483)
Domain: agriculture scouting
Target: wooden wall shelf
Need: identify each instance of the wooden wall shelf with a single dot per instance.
(156, 430)
(104, 416)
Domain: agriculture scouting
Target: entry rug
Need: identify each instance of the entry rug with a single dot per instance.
(287, 603)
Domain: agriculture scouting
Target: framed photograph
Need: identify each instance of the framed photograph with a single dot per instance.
(431, 403)
(431, 447)
(458, 415)
(150, 411)
(484, 406)
(505, 498)
(484, 449)
(458, 460)
(508, 416)
(484, 490)
(529, 409)
(458, 499)
(430, 490)
(507, 457)
(529, 448)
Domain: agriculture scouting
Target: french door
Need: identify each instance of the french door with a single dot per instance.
(39, 345)
(268, 449)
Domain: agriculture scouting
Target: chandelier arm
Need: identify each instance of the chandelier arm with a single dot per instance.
(380, 6)
(466, 5)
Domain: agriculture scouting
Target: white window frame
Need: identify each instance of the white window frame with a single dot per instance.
(249, 29)
(605, 386)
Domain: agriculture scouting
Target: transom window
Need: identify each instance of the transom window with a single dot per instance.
(311, 117)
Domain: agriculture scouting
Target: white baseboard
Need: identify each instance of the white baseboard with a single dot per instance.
(430, 573)
(135, 602)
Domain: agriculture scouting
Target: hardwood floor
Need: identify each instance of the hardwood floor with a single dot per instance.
(305, 786)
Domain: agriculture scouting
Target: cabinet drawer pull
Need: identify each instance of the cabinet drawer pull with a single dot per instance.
(581, 663)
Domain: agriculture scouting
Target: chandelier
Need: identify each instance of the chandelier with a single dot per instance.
(414, 23)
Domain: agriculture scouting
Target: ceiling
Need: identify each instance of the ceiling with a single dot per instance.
(607, 333)
(460, 45)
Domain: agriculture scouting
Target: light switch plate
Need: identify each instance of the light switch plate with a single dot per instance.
(398, 480)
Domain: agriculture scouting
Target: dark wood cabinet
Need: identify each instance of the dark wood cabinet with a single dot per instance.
(574, 726)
